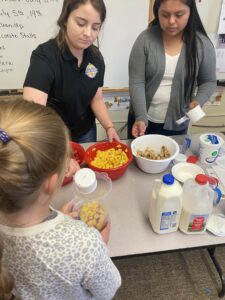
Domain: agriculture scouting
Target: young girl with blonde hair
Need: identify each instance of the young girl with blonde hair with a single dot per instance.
(49, 254)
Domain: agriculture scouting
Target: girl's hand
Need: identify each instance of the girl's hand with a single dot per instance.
(138, 128)
(112, 134)
(73, 168)
(105, 233)
(193, 104)
(70, 209)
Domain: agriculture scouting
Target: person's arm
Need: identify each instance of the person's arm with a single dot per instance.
(138, 128)
(35, 95)
(193, 104)
(70, 209)
(103, 278)
(137, 66)
(101, 112)
(105, 232)
(206, 79)
(39, 77)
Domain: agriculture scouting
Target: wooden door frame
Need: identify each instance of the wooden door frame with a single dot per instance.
(151, 15)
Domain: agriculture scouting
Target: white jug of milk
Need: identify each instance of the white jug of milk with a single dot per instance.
(165, 204)
(197, 205)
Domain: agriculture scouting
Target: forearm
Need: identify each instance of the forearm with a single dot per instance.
(206, 80)
(100, 110)
(204, 92)
(137, 62)
(35, 95)
(105, 278)
(138, 101)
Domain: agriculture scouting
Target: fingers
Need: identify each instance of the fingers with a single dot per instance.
(71, 205)
(69, 208)
(193, 104)
(138, 129)
(73, 168)
(112, 135)
(107, 227)
(73, 214)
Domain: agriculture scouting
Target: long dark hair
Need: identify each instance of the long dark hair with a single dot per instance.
(193, 26)
(68, 7)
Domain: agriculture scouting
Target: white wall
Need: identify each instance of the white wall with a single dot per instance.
(209, 11)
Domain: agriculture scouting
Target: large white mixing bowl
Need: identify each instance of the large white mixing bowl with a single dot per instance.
(154, 142)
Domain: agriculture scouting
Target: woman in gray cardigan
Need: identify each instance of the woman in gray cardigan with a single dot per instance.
(172, 69)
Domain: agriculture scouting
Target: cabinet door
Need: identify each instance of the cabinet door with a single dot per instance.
(120, 127)
(209, 124)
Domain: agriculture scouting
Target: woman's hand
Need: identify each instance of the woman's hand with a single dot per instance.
(70, 209)
(193, 104)
(73, 168)
(112, 134)
(105, 233)
(138, 128)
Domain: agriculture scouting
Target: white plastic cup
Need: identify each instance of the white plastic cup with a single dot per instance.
(210, 145)
(195, 114)
(85, 181)
(180, 158)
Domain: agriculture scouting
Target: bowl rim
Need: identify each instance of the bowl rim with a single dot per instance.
(81, 148)
(114, 144)
(67, 180)
(154, 160)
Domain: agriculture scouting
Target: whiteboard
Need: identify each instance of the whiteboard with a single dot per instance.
(24, 24)
(125, 21)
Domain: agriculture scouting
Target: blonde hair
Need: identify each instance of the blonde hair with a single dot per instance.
(38, 147)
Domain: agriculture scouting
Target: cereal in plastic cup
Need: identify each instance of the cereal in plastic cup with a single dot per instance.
(94, 214)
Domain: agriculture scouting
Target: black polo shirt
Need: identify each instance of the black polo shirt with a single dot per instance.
(70, 89)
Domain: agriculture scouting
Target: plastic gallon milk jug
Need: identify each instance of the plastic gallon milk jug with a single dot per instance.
(197, 205)
(165, 204)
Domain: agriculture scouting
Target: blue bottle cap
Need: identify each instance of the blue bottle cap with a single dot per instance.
(217, 196)
(168, 179)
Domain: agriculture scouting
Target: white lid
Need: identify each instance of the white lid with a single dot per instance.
(211, 139)
(85, 180)
(184, 171)
(103, 188)
(180, 158)
(216, 224)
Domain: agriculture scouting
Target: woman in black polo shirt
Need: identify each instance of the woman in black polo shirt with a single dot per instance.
(67, 72)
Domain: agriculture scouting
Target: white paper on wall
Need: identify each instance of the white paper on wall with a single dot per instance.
(220, 60)
(221, 29)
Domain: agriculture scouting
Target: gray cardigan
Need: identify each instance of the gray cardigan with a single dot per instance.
(146, 70)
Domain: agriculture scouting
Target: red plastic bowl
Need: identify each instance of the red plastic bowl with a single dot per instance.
(78, 155)
(113, 173)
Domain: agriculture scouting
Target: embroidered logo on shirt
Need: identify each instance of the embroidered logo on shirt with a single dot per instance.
(91, 71)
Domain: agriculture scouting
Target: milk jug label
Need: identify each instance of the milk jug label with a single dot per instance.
(168, 220)
(197, 223)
